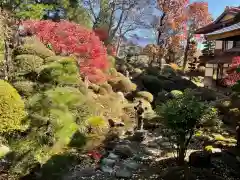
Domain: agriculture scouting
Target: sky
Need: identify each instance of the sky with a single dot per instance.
(216, 7)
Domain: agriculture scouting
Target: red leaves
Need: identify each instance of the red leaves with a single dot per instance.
(95, 155)
(68, 38)
(233, 76)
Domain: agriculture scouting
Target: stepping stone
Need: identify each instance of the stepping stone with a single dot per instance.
(106, 169)
(108, 162)
(113, 156)
(130, 164)
(123, 173)
(124, 151)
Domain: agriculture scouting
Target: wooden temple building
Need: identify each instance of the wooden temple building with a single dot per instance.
(225, 31)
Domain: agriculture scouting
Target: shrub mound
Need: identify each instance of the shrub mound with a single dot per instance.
(145, 95)
(27, 63)
(123, 84)
(33, 46)
(62, 72)
(12, 110)
(25, 88)
(176, 93)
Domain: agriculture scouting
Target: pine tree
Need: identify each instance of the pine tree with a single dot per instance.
(209, 47)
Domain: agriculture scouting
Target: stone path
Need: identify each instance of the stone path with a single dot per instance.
(149, 159)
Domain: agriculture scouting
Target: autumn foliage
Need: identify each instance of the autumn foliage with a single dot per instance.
(67, 38)
(233, 75)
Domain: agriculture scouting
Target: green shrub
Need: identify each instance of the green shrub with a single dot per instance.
(12, 110)
(152, 84)
(94, 87)
(146, 95)
(176, 93)
(102, 91)
(113, 72)
(62, 72)
(182, 115)
(27, 63)
(56, 116)
(57, 58)
(168, 71)
(25, 88)
(33, 46)
(112, 61)
(107, 87)
(97, 123)
(123, 85)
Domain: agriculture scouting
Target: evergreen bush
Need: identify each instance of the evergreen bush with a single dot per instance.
(27, 63)
(33, 46)
(62, 72)
(25, 88)
(145, 95)
(12, 112)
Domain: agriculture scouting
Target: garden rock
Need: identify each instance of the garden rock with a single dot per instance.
(200, 159)
(113, 156)
(108, 162)
(107, 169)
(139, 136)
(123, 173)
(87, 172)
(131, 164)
(124, 151)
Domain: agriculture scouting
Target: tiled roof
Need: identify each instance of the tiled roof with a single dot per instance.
(226, 29)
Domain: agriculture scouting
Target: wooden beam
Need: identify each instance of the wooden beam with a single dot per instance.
(223, 35)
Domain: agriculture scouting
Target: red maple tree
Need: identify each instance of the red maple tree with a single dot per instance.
(233, 76)
(67, 38)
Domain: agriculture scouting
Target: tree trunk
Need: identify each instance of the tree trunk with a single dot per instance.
(118, 45)
(5, 62)
(185, 59)
(181, 155)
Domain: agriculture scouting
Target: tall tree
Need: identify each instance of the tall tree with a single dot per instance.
(171, 18)
(118, 17)
(197, 16)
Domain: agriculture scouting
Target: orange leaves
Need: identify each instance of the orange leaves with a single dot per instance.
(198, 14)
(153, 50)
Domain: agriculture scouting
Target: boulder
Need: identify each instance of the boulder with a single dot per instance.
(124, 151)
(139, 136)
(123, 173)
(200, 159)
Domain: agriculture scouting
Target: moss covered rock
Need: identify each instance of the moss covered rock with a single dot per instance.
(27, 63)
(12, 111)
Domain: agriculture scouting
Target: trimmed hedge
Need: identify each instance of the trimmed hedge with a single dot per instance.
(27, 63)
(34, 47)
(62, 72)
(12, 110)
(145, 95)
(25, 88)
